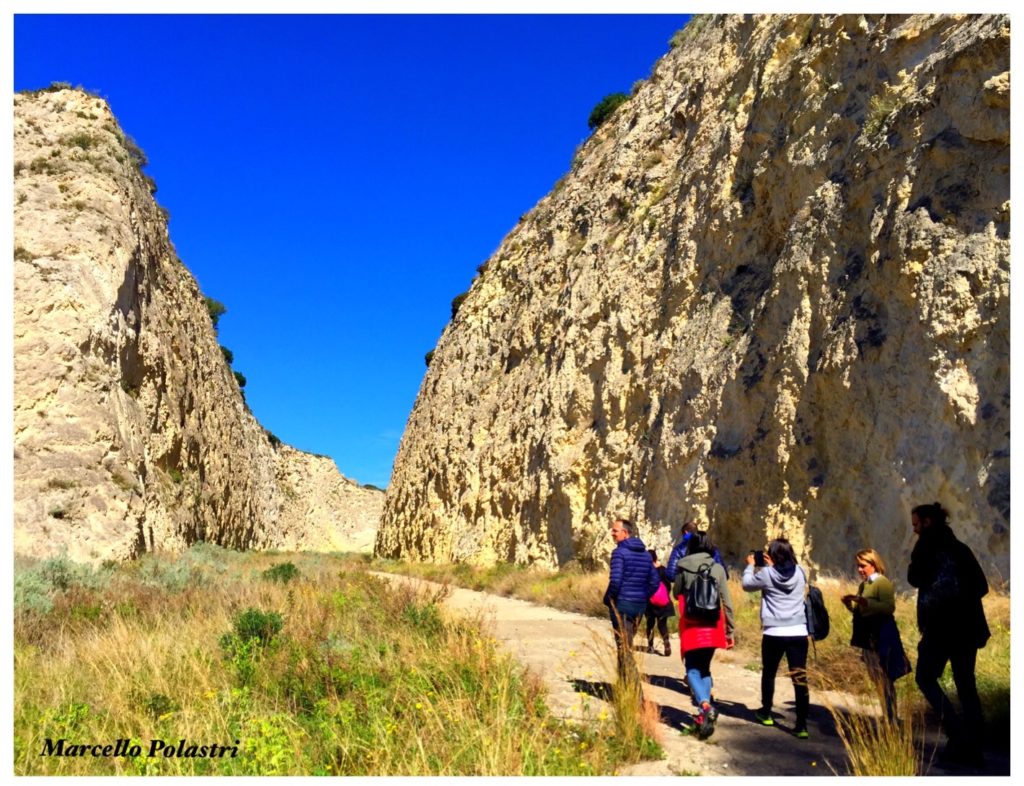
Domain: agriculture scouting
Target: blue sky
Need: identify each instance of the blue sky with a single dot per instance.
(336, 180)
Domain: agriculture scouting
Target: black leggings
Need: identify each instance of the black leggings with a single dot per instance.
(650, 620)
(795, 650)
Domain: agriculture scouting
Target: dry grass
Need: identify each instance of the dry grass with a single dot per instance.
(362, 679)
(873, 745)
(570, 590)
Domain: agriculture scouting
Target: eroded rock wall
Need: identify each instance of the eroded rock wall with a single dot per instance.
(772, 293)
(130, 432)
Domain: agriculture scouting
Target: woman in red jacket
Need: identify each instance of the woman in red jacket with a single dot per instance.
(701, 633)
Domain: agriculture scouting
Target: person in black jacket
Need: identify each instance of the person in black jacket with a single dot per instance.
(950, 585)
(631, 582)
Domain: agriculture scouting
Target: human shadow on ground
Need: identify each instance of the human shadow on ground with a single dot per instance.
(599, 690)
(670, 683)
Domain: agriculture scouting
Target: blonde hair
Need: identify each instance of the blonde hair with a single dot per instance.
(872, 557)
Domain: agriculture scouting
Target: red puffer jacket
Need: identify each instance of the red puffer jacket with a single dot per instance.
(697, 634)
(694, 633)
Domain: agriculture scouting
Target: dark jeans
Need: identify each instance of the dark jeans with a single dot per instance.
(932, 655)
(625, 617)
(795, 650)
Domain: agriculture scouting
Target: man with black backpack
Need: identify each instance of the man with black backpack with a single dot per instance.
(705, 622)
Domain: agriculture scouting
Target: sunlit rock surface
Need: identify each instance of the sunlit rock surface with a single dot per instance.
(772, 293)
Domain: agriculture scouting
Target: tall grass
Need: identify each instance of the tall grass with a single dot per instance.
(358, 678)
(873, 745)
(636, 717)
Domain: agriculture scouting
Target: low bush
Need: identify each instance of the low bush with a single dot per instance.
(215, 309)
(605, 108)
(282, 572)
(457, 302)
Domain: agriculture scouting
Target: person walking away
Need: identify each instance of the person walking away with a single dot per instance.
(679, 550)
(875, 630)
(632, 580)
(700, 636)
(950, 585)
(784, 627)
(655, 614)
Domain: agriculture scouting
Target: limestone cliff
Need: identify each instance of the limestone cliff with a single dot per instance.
(130, 431)
(772, 293)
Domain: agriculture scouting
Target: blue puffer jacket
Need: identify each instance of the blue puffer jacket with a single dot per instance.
(679, 551)
(633, 575)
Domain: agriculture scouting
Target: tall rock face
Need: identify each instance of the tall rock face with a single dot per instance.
(130, 431)
(772, 294)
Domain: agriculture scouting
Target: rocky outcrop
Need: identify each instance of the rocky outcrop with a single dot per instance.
(130, 431)
(772, 293)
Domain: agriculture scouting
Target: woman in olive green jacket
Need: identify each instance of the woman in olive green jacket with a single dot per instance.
(874, 627)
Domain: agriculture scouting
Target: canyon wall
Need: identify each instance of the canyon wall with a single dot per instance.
(771, 294)
(130, 431)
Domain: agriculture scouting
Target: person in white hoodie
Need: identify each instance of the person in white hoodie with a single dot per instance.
(784, 627)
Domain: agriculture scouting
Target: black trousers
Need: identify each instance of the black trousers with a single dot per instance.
(649, 622)
(795, 650)
(932, 655)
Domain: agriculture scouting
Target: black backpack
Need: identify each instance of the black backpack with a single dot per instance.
(817, 614)
(702, 598)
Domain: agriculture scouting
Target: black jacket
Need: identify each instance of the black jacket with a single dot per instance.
(950, 585)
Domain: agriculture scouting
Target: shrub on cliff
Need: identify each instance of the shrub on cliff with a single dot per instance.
(457, 301)
(604, 109)
(215, 309)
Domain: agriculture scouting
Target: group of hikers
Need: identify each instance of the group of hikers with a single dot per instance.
(950, 617)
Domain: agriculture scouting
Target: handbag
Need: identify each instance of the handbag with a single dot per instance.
(660, 596)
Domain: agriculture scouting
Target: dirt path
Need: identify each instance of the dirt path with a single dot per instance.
(574, 655)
